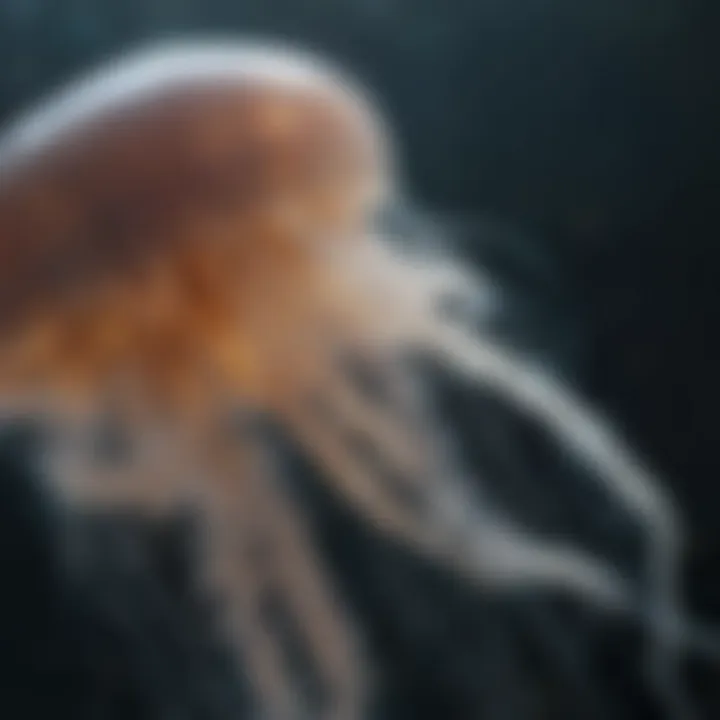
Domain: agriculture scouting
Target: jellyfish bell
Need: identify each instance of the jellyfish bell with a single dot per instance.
(165, 191)
(188, 231)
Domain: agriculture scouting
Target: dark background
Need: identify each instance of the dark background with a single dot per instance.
(576, 144)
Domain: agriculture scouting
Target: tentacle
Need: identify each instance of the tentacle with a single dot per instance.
(448, 526)
(375, 421)
(354, 479)
(261, 559)
(574, 424)
(241, 588)
(512, 559)
(324, 624)
(622, 474)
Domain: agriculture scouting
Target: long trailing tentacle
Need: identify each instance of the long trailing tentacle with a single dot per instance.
(435, 310)
(625, 477)
(423, 290)
(263, 563)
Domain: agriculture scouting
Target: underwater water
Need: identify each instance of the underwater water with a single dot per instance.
(551, 618)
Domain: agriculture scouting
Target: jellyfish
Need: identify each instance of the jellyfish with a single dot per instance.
(190, 240)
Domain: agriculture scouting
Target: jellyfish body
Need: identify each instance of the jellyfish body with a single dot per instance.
(189, 232)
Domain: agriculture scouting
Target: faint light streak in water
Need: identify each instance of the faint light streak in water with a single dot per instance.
(187, 235)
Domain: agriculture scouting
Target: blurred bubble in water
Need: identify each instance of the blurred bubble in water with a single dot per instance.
(195, 236)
